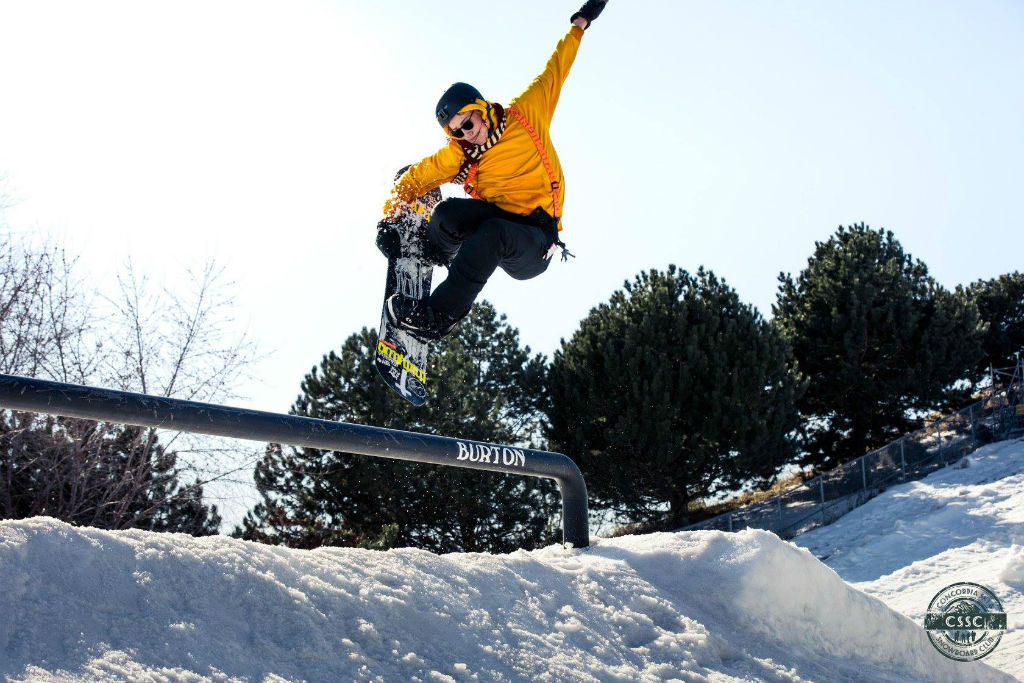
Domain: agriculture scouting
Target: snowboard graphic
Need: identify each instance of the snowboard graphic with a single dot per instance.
(402, 358)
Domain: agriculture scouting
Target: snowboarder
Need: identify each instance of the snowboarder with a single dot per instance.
(504, 158)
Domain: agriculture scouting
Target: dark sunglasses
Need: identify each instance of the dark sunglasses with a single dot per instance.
(461, 130)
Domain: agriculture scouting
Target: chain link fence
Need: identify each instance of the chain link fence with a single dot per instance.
(831, 495)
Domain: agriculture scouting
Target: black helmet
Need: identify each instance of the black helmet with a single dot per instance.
(457, 96)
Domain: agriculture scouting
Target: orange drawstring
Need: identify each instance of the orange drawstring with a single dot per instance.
(555, 189)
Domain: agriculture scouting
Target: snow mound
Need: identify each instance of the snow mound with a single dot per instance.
(81, 604)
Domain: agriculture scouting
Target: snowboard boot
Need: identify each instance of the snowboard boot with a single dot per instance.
(416, 317)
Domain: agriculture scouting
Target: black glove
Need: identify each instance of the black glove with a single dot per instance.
(388, 240)
(591, 10)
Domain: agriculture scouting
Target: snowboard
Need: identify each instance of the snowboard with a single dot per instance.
(401, 357)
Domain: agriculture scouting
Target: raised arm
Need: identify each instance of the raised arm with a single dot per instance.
(540, 98)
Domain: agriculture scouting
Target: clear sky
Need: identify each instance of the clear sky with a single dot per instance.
(730, 134)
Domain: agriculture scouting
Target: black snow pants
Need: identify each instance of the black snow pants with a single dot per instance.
(479, 237)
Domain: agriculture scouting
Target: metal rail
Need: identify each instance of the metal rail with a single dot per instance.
(122, 407)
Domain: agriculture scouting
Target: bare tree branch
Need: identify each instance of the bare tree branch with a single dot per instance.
(178, 341)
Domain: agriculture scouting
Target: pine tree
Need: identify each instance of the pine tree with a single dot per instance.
(484, 387)
(671, 392)
(881, 342)
(1000, 303)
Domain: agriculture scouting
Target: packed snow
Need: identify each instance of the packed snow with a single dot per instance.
(962, 523)
(80, 604)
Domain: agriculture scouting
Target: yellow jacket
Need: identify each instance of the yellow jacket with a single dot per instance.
(510, 174)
